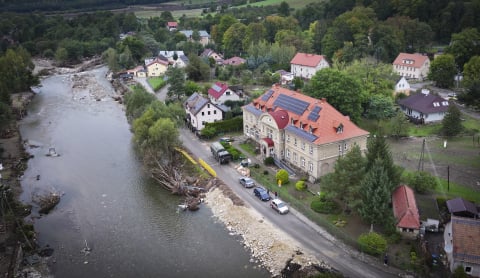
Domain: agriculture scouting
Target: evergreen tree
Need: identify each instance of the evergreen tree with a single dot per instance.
(345, 181)
(452, 122)
(377, 148)
(176, 80)
(375, 194)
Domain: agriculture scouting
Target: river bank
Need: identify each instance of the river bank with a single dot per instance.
(268, 246)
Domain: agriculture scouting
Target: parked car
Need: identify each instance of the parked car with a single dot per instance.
(261, 193)
(279, 205)
(247, 182)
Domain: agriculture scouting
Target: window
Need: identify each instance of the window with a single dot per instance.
(208, 105)
(295, 156)
(288, 138)
(203, 113)
(208, 112)
(340, 128)
(310, 167)
(468, 269)
(288, 154)
(246, 129)
(303, 162)
(303, 145)
(292, 121)
(339, 149)
(311, 149)
(215, 112)
(345, 147)
(295, 141)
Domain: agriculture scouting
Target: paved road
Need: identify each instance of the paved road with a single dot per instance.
(312, 237)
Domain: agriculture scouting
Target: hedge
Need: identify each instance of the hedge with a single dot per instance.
(234, 124)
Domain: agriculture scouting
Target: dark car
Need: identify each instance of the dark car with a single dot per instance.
(247, 182)
(261, 193)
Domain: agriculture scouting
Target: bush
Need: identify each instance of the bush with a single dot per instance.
(265, 172)
(422, 181)
(372, 243)
(282, 175)
(300, 185)
(256, 166)
(268, 161)
(325, 205)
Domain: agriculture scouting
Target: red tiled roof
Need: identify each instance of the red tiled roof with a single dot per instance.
(465, 234)
(217, 89)
(410, 60)
(405, 208)
(281, 118)
(322, 127)
(269, 141)
(172, 24)
(305, 59)
(158, 61)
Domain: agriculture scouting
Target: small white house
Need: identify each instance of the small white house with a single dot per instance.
(402, 86)
(200, 111)
(424, 107)
(305, 65)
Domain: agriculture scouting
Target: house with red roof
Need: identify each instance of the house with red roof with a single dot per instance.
(412, 66)
(461, 244)
(221, 92)
(405, 211)
(305, 133)
(305, 65)
(172, 25)
(424, 107)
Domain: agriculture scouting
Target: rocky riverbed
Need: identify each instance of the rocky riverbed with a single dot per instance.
(269, 246)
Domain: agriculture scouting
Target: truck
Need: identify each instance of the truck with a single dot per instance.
(219, 153)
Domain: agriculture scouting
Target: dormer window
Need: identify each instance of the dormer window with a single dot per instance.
(310, 129)
(436, 104)
(292, 121)
(340, 128)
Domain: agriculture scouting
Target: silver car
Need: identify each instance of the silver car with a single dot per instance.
(247, 182)
(279, 205)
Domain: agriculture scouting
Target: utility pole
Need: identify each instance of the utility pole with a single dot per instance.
(448, 178)
(422, 156)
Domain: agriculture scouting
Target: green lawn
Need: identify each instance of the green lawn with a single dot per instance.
(156, 82)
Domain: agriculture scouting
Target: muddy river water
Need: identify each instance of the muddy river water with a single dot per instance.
(131, 226)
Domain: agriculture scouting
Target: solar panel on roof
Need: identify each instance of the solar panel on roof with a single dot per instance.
(291, 104)
(267, 95)
(216, 88)
(313, 116)
(301, 133)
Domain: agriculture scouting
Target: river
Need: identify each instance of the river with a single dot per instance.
(131, 225)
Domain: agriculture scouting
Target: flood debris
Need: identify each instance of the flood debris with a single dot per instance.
(47, 202)
(52, 152)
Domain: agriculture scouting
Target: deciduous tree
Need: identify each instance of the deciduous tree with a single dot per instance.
(443, 70)
(341, 90)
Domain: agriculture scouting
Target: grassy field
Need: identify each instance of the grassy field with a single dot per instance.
(147, 12)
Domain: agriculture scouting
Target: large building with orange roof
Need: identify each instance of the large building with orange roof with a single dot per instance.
(306, 133)
(412, 66)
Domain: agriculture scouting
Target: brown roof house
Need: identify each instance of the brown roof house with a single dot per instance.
(462, 245)
(412, 66)
(234, 61)
(305, 65)
(299, 131)
(424, 107)
(405, 211)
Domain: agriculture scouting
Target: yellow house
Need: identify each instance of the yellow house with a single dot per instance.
(156, 67)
